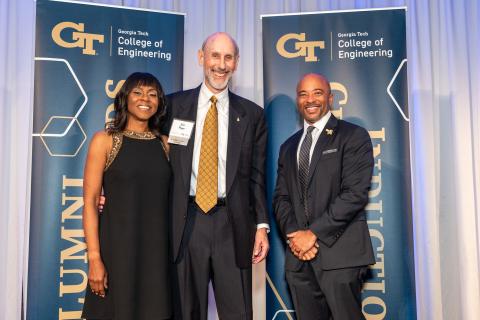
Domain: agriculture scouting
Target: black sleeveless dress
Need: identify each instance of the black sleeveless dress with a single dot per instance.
(134, 233)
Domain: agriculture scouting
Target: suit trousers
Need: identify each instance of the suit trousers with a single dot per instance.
(326, 294)
(207, 254)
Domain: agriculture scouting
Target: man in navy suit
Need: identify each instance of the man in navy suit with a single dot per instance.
(217, 242)
(323, 179)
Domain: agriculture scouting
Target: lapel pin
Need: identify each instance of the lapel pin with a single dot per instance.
(329, 131)
(238, 119)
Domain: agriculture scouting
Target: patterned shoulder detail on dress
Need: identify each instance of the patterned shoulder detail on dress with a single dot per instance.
(116, 145)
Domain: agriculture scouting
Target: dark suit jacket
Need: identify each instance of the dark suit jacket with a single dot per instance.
(245, 172)
(339, 179)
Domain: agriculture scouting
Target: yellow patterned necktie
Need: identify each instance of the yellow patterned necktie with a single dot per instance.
(207, 178)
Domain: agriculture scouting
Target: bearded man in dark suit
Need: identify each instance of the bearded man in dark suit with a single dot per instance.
(219, 215)
(323, 179)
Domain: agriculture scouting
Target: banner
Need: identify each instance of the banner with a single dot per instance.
(83, 54)
(363, 54)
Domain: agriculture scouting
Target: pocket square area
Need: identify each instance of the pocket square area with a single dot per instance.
(329, 151)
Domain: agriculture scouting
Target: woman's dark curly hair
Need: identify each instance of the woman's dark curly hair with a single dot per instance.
(134, 80)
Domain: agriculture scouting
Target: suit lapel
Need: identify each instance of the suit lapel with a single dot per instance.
(237, 123)
(324, 139)
(188, 111)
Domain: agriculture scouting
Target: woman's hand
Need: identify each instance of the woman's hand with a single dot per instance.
(97, 276)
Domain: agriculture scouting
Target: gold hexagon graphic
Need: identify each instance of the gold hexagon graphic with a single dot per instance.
(74, 120)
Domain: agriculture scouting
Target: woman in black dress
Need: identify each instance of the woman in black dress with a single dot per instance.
(129, 267)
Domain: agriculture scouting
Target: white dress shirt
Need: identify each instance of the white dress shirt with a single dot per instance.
(222, 109)
(319, 126)
(202, 109)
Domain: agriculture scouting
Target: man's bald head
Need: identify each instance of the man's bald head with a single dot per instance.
(214, 36)
(314, 97)
(315, 76)
(219, 58)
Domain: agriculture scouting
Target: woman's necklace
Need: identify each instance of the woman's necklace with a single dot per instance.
(147, 135)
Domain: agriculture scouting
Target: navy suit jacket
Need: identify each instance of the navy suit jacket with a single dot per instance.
(245, 171)
(338, 184)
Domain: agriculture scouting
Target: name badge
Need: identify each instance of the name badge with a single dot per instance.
(180, 132)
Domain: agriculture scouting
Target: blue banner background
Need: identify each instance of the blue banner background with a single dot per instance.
(57, 256)
(360, 89)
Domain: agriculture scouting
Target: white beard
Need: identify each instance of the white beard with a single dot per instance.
(218, 86)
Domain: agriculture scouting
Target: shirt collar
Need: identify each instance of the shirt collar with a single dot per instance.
(206, 94)
(320, 124)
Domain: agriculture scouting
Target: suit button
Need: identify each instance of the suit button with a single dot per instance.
(184, 217)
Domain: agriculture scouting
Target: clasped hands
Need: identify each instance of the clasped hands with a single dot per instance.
(303, 244)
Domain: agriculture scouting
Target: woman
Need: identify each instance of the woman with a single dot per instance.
(129, 272)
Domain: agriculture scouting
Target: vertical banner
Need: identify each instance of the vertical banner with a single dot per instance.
(363, 54)
(83, 54)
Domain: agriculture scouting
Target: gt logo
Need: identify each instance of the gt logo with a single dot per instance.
(304, 48)
(81, 39)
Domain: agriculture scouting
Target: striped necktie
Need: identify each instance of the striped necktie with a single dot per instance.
(304, 165)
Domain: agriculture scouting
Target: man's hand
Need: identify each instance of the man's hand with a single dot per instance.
(260, 249)
(310, 254)
(301, 241)
(101, 203)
